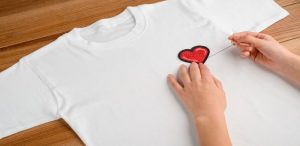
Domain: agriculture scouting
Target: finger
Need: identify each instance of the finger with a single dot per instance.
(250, 38)
(252, 41)
(176, 87)
(230, 37)
(254, 34)
(244, 44)
(205, 73)
(184, 75)
(245, 50)
(237, 36)
(195, 72)
(245, 53)
(254, 54)
(264, 36)
(244, 47)
(218, 83)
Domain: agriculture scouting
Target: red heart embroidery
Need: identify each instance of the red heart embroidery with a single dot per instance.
(197, 54)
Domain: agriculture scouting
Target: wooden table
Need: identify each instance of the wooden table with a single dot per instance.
(27, 25)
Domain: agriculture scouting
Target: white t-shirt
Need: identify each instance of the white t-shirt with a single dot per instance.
(108, 80)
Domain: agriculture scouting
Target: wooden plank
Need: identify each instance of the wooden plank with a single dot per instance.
(10, 55)
(52, 133)
(288, 28)
(9, 7)
(38, 21)
(293, 45)
(287, 2)
(34, 17)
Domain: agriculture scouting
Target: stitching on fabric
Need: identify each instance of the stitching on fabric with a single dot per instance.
(45, 82)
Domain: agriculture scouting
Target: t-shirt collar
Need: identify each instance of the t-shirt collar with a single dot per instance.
(140, 21)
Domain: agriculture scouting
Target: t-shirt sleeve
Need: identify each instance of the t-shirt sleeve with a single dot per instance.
(25, 100)
(237, 15)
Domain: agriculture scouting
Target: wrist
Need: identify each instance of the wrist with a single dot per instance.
(291, 70)
(208, 118)
(288, 64)
(212, 129)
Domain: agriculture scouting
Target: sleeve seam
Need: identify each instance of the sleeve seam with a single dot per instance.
(43, 79)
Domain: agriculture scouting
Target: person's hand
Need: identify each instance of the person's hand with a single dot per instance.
(200, 92)
(204, 98)
(263, 49)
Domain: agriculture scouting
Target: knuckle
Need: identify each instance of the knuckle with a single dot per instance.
(197, 83)
(205, 86)
(189, 87)
(194, 85)
(173, 83)
(247, 37)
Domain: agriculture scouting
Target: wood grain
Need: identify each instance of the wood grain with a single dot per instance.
(27, 25)
(293, 45)
(53, 17)
(287, 2)
(11, 54)
(52, 133)
(288, 28)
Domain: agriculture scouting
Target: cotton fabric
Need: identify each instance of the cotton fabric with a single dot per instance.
(108, 80)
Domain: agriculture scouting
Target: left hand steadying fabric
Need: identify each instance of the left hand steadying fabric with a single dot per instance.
(204, 98)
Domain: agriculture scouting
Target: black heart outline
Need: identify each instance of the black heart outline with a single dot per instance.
(192, 49)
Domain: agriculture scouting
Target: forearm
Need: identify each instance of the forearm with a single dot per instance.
(213, 131)
(291, 69)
